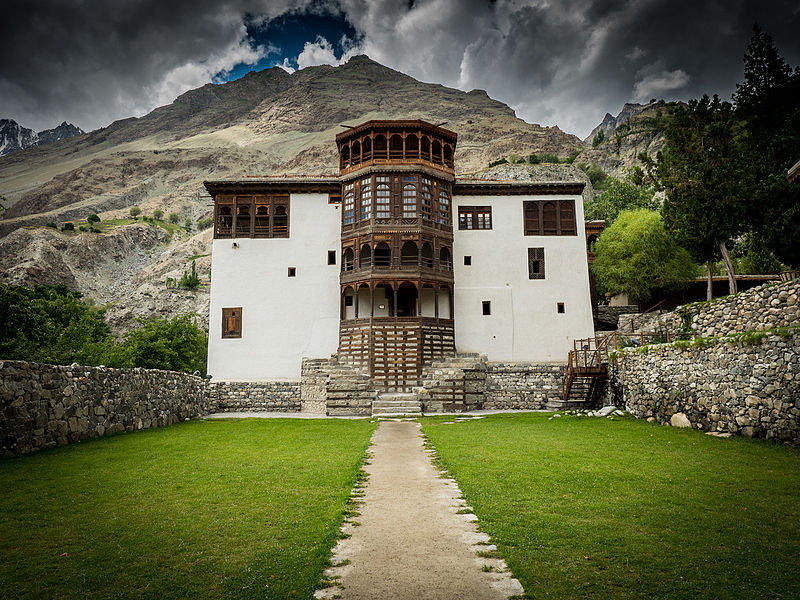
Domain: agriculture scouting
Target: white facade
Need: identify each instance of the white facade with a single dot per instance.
(524, 324)
(283, 318)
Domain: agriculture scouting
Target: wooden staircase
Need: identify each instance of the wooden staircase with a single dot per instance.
(587, 367)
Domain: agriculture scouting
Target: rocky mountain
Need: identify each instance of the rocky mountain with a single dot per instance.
(14, 137)
(267, 122)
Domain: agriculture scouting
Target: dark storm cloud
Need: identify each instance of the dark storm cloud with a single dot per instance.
(564, 63)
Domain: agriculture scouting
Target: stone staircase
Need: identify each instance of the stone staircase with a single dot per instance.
(396, 405)
(336, 387)
(453, 384)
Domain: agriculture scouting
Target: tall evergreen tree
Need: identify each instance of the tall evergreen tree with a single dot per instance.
(767, 102)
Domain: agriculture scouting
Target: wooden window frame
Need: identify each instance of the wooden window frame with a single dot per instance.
(536, 259)
(533, 218)
(475, 218)
(232, 323)
(251, 205)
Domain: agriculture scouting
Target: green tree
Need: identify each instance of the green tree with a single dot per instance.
(158, 214)
(93, 218)
(638, 257)
(174, 218)
(68, 227)
(700, 170)
(619, 195)
(135, 211)
(51, 324)
(192, 281)
(176, 344)
(767, 102)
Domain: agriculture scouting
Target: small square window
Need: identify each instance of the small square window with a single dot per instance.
(560, 307)
(467, 261)
(331, 257)
(487, 307)
(292, 271)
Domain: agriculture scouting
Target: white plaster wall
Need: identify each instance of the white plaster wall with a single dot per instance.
(283, 318)
(524, 324)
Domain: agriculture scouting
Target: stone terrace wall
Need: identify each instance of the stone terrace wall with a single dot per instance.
(764, 307)
(48, 405)
(238, 396)
(522, 386)
(727, 387)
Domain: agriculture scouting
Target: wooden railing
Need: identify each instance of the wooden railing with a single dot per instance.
(651, 309)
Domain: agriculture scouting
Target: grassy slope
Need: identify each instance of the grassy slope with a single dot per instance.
(235, 509)
(591, 508)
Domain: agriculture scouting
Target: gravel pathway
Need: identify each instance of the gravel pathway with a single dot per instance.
(410, 541)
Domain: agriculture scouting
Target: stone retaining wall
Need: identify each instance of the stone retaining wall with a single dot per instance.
(269, 396)
(48, 405)
(728, 386)
(522, 386)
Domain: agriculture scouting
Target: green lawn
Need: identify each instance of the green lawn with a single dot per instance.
(215, 509)
(591, 508)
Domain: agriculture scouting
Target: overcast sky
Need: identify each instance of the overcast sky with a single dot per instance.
(562, 63)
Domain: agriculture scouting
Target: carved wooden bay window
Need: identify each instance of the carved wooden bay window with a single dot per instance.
(474, 217)
(550, 217)
(251, 217)
(232, 322)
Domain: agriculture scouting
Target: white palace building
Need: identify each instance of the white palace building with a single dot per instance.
(393, 265)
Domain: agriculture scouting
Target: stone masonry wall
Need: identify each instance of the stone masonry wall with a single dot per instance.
(269, 396)
(48, 405)
(522, 386)
(728, 386)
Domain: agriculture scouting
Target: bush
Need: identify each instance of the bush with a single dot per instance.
(93, 218)
(502, 161)
(187, 224)
(190, 282)
(174, 218)
(158, 214)
(135, 211)
(68, 227)
(534, 159)
(51, 224)
(599, 138)
(549, 157)
(205, 223)
(83, 228)
(176, 344)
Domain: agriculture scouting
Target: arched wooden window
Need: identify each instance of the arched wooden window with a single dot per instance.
(345, 161)
(349, 207)
(356, 152)
(409, 201)
(427, 255)
(396, 146)
(425, 148)
(412, 146)
(347, 260)
(383, 255)
(448, 155)
(365, 257)
(280, 222)
(242, 221)
(348, 306)
(366, 149)
(366, 200)
(445, 259)
(380, 146)
(407, 300)
(444, 207)
(409, 254)
(436, 152)
(262, 220)
(590, 242)
(566, 209)
(426, 200)
(224, 221)
(549, 218)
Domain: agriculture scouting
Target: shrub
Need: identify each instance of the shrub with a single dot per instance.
(534, 159)
(83, 228)
(549, 157)
(68, 227)
(51, 224)
(599, 138)
(158, 214)
(502, 161)
(205, 223)
(187, 224)
(174, 218)
(190, 282)
(135, 211)
(93, 218)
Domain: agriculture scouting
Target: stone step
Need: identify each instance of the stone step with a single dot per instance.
(378, 411)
